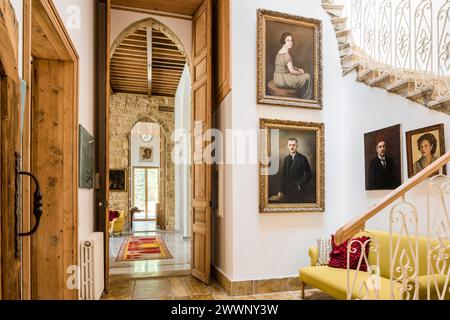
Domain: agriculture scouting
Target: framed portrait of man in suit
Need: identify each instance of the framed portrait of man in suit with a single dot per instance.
(291, 166)
(383, 163)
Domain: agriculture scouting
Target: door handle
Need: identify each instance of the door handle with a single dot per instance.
(37, 205)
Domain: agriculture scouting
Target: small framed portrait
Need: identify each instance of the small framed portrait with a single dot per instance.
(146, 154)
(118, 180)
(383, 163)
(292, 168)
(424, 146)
(289, 60)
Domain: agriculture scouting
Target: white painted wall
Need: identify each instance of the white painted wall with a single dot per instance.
(368, 109)
(182, 171)
(222, 227)
(137, 143)
(276, 245)
(120, 20)
(84, 41)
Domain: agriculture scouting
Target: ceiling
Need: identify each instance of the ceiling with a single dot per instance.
(182, 7)
(130, 65)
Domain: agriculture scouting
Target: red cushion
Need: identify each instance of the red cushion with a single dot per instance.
(338, 255)
(113, 215)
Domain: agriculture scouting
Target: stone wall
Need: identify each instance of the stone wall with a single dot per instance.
(125, 111)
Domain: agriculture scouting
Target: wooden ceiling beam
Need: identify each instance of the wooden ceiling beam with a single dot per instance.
(128, 72)
(131, 82)
(122, 56)
(168, 83)
(149, 35)
(131, 48)
(131, 55)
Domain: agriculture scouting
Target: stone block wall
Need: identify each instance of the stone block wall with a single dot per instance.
(125, 111)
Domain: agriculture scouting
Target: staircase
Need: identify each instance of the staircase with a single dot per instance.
(410, 265)
(426, 86)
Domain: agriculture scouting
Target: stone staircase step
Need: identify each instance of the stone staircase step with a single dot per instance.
(363, 76)
(339, 24)
(427, 90)
(346, 58)
(398, 85)
(345, 45)
(343, 33)
(332, 6)
(441, 104)
(334, 10)
(339, 20)
(385, 76)
(349, 69)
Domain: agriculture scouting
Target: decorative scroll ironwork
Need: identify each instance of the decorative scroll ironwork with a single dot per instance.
(438, 237)
(403, 35)
(443, 28)
(356, 18)
(404, 252)
(361, 284)
(400, 36)
(369, 24)
(423, 37)
(385, 32)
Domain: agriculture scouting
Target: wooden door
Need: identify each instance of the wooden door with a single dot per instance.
(102, 130)
(54, 144)
(201, 171)
(9, 251)
(10, 266)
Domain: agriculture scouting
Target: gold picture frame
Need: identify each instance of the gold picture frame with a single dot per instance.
(311, 142)
(436, 133)
(277, 90)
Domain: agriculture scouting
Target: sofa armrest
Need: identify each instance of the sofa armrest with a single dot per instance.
(313, 255)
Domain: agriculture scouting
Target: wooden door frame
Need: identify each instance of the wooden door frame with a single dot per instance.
(9, 107)
(60, 48)
(103, 8)
(208, 3)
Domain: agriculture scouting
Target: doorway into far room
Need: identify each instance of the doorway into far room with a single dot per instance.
(145, 153)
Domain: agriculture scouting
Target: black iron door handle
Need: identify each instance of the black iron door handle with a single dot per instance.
(37, 205)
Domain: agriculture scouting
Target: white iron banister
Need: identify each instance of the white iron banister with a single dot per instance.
(358, 224)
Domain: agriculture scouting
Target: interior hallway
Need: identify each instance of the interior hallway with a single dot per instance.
(188, 288)
(179, 248)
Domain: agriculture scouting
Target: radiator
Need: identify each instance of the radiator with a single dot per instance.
(92, 267)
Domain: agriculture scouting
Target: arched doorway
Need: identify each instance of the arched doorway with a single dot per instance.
(151, 84)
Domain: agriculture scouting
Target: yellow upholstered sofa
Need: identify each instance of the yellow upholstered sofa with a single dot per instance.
(333, 281)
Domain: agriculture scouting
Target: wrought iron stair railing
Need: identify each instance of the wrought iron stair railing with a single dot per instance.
(402, 46)
(404, 222)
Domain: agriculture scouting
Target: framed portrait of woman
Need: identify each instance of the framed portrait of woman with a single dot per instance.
(424, 146)
(289, 59)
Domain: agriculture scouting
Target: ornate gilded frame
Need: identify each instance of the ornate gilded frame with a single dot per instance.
(263, 98)
(264, 151)
(409, 147)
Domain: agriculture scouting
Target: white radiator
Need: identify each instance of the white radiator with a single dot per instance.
(92, 267)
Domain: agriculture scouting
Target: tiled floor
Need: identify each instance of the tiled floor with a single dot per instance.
(188, 288)
(179, 249)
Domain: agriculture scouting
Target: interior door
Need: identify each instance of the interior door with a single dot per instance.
(10, 265)
(202, 117)
(10, 250)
